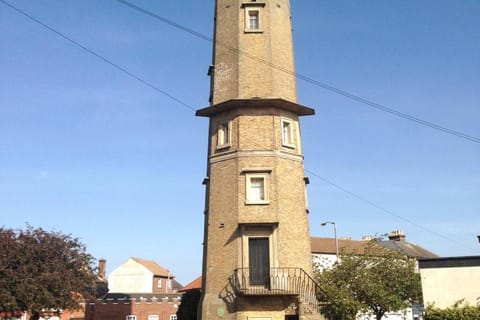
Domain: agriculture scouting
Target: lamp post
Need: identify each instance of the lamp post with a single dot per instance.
(335, 234)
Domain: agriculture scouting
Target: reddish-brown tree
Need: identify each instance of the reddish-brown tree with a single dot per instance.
(43, 271)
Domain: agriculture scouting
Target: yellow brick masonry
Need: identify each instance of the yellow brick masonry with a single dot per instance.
(249, 73)
(255, 145)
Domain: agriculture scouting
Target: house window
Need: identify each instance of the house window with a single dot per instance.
(131, 317)
(169, 284)
(288, 136)
(256, 188)
(159, 283)
(223, 135)
(173, 317)
(153, 317)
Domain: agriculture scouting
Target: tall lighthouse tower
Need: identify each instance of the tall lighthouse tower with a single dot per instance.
(256, 262)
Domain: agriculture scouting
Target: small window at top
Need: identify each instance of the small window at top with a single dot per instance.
(253, 16)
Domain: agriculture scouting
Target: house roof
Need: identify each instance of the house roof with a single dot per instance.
(450, 262)
(154, 267)
(176, 285)
(410, 249)
(194, 285)
(327, 246)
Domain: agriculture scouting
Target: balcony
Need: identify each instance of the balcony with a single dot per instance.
(275, 282)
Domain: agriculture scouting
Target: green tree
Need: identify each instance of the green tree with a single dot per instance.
(377, 281)
(42, 270)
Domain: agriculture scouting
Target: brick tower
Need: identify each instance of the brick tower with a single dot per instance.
(256, 262)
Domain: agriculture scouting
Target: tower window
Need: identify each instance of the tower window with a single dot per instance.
(253, 20)
(223, 135)
(288, 133)
(256, 188)
(253, 15)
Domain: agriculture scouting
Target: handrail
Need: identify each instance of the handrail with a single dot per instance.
(278, 281)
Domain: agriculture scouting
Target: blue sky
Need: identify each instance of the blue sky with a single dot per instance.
(87, 150)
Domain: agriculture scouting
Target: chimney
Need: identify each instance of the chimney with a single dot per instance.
(101, 268)
(367, 238)
(396, 235)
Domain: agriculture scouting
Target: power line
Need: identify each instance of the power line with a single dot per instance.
(307, 79)
(354, 195)
(384, 210)
(332, 89)
(97, 55)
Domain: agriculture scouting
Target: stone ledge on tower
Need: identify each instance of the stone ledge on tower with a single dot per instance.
(256, 103)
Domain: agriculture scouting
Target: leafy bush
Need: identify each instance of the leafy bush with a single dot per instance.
(459, 311)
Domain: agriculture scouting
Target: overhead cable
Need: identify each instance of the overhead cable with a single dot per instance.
(384, 210)
(97, 55)
(305, 78)
(362, 199)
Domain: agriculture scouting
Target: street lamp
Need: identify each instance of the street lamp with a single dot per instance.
(335, 234)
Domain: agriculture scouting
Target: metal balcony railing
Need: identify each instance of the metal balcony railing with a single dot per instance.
(277, 281)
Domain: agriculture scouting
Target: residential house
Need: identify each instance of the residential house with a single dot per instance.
(324, 249)
(138, 290)
(446, 281)
(324, 252)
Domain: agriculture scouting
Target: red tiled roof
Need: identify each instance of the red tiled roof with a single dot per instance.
(194, 285)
